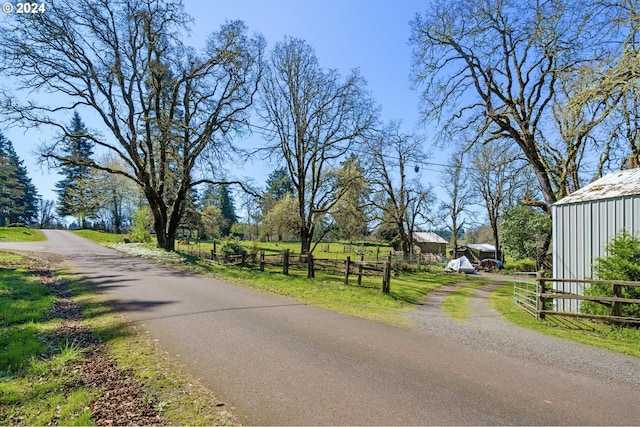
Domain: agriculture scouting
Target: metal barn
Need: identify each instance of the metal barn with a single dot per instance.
(585, 222)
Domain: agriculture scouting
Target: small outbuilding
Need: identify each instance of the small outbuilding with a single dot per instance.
(476, 252)
(585, 222)
(430, 243)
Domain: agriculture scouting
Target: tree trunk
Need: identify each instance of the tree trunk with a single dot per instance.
(530, 150)
(496, 241)
(160, 223)
(305, 240)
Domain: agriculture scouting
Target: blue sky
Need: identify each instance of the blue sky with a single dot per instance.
(371, 35)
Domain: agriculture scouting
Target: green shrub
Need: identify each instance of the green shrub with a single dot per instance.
(231, 247)
(623, 263)
(141, 225)
(522, 265)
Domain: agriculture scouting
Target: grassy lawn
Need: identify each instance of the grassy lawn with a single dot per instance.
(101, 237)
(20, 234)
(35, 367)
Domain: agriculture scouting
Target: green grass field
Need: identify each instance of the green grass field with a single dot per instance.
(101, 237)
(20, 234)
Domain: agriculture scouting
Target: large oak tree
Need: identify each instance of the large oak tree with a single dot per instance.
(495, 67)
(159, 102)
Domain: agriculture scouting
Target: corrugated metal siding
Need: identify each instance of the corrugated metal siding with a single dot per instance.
(581, 233)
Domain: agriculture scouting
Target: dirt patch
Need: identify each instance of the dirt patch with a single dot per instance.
(123, 400)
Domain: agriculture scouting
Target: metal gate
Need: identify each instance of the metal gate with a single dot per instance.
(525, 292)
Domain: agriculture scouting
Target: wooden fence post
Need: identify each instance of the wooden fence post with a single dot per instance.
(386, 278)
(346, 270)
(616, 307)
(262, 260)
(243, 261)
(285, 262)
(360, 271)
(310, 270)
(540, 300)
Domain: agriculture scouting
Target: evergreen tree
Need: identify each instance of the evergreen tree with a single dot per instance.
(227, 209)
(18, 196)
(75, 191)
(279, 185)
(218, 196)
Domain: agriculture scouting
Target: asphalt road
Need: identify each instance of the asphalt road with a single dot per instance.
(281, 362)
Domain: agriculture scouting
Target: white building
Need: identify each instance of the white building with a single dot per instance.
(585, 222)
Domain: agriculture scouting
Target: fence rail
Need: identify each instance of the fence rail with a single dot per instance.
(551, 292)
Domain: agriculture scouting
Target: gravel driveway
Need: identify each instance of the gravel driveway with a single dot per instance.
(486, 328)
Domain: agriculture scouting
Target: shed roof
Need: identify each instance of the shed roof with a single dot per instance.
(482, 247)
(428, 237)
(617, 184)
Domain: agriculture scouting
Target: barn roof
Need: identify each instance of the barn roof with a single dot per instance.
(428, 237)
(613, 185)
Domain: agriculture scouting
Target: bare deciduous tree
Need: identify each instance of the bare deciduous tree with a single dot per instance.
(117, 197)
(315, 117)
(621, 81)
(400, 199)
(46, 213)
(461, 195)
(495, 66)
(499, 177)
(161, 103)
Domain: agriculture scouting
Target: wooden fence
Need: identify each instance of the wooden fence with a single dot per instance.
(286, 260)
(368, 268)
(547, 295)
